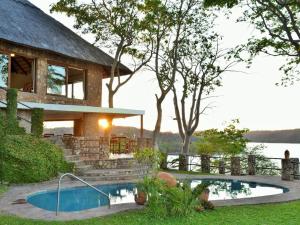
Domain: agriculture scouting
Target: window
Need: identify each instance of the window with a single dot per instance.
(22, 73)
(76, 82)
(56, 80)
(17, 72)
(4, 68)
(59, 76)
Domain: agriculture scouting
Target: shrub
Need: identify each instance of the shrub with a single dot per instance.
(37, 118)
(12, 123)
(148, 156)
(29, 159)
(165, 201)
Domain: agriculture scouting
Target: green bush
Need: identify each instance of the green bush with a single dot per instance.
(149, 156)
(164, 201)
(28, 159)
(12, 123)
(37, 119)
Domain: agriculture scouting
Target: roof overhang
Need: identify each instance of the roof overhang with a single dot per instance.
(73, 109)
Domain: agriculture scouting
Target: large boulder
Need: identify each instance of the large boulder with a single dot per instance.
(168, 178)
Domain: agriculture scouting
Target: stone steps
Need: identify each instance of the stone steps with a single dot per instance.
(104, 170)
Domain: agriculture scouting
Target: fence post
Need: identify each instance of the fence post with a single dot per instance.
(287, 172)
(221, 167)
(251, 165)
(235, 166)
(295, 162)
(205, 164)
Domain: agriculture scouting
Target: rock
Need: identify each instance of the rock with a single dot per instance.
(168, 178)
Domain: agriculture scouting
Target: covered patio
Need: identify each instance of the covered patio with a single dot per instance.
(86, 118)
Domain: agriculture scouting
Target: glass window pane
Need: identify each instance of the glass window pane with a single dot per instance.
(76, 83)
(56, 80)
(4, 62)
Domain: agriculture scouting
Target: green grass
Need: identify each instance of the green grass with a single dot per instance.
(271, 214)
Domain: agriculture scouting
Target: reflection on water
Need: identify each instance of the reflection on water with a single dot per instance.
(235, 189)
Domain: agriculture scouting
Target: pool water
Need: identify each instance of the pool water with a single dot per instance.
(83, 198)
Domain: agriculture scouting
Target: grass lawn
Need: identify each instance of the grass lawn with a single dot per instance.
(272, 214)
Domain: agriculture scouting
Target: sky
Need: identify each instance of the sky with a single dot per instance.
(251, 95)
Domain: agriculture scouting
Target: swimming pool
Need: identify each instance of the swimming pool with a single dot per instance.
(83, 198)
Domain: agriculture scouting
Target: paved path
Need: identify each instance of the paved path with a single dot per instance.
(29, 211)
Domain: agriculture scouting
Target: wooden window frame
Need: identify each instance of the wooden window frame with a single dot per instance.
(67, 67)
(33, 72)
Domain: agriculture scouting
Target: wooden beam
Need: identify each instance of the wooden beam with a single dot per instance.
(18, 65)
(142, 126)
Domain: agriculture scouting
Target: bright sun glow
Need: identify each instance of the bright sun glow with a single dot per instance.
(103, 123)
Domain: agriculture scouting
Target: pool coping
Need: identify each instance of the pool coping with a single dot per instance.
(32, 212)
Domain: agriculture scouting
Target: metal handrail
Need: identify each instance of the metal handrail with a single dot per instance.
(82, 181)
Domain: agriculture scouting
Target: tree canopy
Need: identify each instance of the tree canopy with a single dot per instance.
(278, 26)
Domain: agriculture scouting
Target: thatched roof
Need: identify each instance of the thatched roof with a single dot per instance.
(23, 23)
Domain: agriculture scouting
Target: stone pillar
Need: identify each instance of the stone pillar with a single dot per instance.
(251, 165)
(91, 126)
(78, 128)
(205, 164)
(235, 166)
(295, 162)
(287, 172)
(221, 167)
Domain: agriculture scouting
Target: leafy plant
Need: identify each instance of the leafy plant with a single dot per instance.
(261, 162)
(165, 201)
(37, 118)
(12, 123)
(29, 159)
(148, 156)
(229, 141)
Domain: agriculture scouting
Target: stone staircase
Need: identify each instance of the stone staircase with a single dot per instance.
(105, 170)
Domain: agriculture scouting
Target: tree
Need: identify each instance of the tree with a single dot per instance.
(169, 19)
(201, 62)
(279, 31)
(229, 141)
(120, 26)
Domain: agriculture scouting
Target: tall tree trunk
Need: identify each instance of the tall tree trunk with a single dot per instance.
(183, 158)
(158, 121)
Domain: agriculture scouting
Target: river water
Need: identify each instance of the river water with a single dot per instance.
(271, 150)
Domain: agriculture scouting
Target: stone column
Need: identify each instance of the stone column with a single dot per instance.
(205, 164)
(235, 166)
(295, 162)
(251, 165)
(78, 128)
(287, 170)
(221, 167)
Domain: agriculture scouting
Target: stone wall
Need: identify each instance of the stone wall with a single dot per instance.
(89, 148)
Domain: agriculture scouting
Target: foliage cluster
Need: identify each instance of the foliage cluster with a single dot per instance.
(165, 201)
(28, 159)
(11, 122)
(229, 141)
(261, 161)
(37, 119)
(149, 156)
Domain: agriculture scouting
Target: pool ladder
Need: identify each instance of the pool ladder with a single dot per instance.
(82, 181)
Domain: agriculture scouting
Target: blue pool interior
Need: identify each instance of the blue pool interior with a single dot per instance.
(83, 198)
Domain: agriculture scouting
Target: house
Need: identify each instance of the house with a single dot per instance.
(54, 69)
